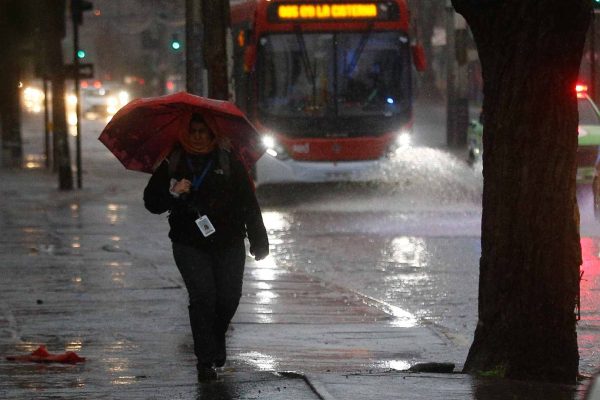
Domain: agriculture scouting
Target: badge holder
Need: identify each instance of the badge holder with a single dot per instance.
(205, 226)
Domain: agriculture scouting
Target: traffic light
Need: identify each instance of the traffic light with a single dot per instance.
(81, 54)
(78, 7)
(596, 4)
(175, 43)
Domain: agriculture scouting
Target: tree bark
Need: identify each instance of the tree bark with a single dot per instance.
(530, 53)
(215, 18)
(11, 29)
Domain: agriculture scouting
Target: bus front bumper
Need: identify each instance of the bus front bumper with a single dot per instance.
(270, 170)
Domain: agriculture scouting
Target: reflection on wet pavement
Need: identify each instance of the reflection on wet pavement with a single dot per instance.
(289, 315)
(115, 213)
(396, 365)
(263, 362)
(34, 161)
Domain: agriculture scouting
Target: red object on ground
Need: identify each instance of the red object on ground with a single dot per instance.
(41, 355)
(143, 133)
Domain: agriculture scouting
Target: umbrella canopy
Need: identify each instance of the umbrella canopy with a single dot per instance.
(144, 132)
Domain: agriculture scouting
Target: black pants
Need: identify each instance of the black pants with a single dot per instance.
(214, 282)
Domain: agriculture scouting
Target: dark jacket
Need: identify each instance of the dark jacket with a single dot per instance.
(226, 196)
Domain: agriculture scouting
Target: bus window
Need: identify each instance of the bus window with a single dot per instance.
(304, 74)
(374, 76)
(294, 74)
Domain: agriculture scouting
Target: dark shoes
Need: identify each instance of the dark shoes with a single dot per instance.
(206, 373)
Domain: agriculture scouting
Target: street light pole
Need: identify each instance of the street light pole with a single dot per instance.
(194, 65)
(78, 102)
(457, 108)
(46, 122)
(450, 74)
(77, 9)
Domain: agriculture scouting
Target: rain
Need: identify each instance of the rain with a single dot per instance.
(374, 262)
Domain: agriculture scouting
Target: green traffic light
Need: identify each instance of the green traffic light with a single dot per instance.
(81, 54)
(175, 45)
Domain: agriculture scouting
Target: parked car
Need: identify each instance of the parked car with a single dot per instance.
(589, 139)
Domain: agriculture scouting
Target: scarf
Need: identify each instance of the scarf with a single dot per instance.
(193, 147)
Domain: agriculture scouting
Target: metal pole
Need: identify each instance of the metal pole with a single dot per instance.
(46, 124)
(193, 47)
(78, 104)
(461, 117)
(450, 75)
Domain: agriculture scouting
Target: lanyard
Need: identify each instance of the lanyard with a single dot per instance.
(197, 181)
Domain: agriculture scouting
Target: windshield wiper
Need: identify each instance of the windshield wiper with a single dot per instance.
(310, 72)
(361, 46)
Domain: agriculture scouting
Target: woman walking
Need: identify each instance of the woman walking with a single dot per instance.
(212, 208)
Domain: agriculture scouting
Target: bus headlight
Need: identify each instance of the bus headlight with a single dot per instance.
(268, 142)
(400, 143)
(273, 148)
(403, 139)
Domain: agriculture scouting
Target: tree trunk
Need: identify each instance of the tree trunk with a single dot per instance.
(530, 53)
(10, 110)
(11, 13)
(215, 15)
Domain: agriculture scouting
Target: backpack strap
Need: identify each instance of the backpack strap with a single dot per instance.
(224, 162)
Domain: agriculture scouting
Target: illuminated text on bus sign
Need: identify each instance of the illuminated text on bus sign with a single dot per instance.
(336, 11)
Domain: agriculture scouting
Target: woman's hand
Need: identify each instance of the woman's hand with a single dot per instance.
(182, 186)
(259, 252)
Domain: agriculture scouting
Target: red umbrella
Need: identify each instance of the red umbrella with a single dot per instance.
(143, 133)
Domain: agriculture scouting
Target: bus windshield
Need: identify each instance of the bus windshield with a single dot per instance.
(334, 75)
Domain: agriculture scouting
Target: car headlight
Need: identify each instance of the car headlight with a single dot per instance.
(71, 99)
(273, 148)
(33, 99)
(123, 98)
(112, 105)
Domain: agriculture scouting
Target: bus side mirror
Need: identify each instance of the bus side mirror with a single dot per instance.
(419, 58)
(249, 58)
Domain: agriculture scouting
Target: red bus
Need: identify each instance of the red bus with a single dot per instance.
(328, 83)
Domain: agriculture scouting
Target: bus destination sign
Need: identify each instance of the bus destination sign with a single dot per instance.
(330, 11)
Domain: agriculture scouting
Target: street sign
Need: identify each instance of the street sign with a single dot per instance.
(86, 71)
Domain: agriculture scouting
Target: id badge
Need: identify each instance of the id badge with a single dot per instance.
(205, 226)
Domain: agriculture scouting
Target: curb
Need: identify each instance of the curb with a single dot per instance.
(315, 385)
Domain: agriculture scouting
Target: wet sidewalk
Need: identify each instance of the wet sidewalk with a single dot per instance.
(91, 271)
